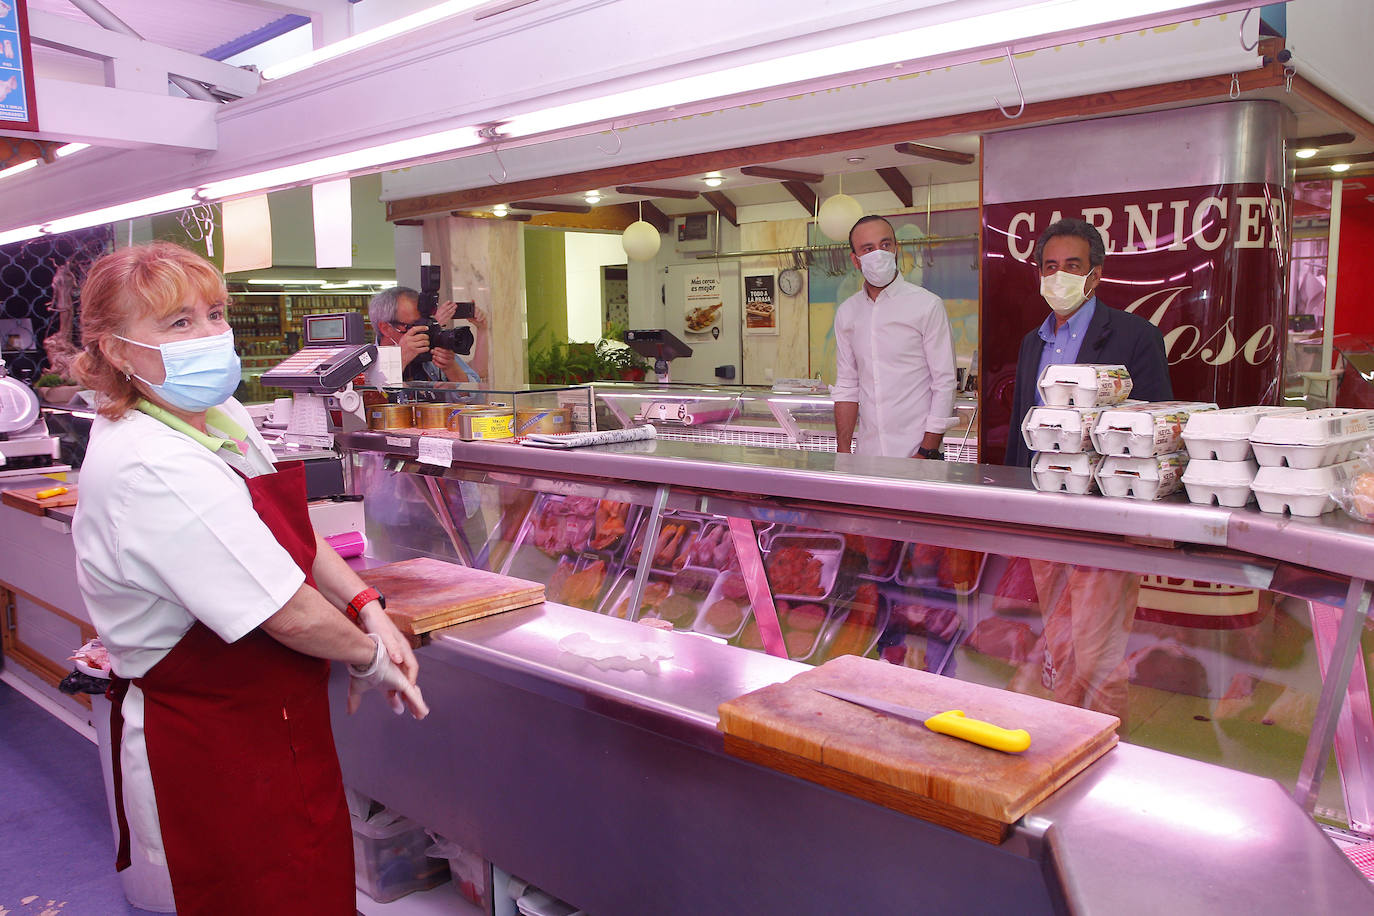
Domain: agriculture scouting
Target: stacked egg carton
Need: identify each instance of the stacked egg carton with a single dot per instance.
(1303, 457)
(1060, 432)
(1142, 448)
(1221, 466)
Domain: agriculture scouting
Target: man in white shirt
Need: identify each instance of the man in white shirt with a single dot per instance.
(894, 355)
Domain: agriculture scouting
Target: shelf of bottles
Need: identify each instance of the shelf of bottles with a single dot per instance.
(268, 326)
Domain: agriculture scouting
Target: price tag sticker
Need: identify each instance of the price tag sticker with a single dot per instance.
(397, 441)
(436, 451)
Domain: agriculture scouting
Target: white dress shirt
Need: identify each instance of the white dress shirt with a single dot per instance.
(895, 357)
(165, 535)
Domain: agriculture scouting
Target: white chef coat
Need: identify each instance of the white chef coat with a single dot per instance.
(895, 357)
(165, 535)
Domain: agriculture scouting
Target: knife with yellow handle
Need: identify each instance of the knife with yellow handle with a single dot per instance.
(953, 722)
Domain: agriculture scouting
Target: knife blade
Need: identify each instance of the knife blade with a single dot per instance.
(952, 722)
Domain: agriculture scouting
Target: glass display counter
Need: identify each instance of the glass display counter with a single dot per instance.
(750, 416)
(1208, 631)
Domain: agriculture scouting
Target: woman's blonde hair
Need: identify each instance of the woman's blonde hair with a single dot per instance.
(154, 280)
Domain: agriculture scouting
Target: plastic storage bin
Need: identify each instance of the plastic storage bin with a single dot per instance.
(1142, 478)
(1313, 439)
(389, 858)
(1225, 434)
(1144, 430)
(1060, 473)
(1223, 483)
(1060, 429)
(1300, 491)
(1084, 385)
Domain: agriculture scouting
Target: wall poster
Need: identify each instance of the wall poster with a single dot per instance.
(703, 305)
(17, 108)
(760, 304)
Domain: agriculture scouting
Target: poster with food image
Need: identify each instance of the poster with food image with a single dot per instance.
(760, 304)
(704, 304)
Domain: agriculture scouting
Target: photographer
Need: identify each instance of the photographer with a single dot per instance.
(396, 318)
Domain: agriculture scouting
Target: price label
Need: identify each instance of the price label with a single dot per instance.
(436, 451)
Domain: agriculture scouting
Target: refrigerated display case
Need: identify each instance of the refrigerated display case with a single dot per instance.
(1226, 620)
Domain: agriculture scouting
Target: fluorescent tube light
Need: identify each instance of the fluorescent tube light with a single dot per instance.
(371, 36)
(21, 167)
(341, 163)
(19, 235)
(1000, 28)
(64, 151)
(173, 200)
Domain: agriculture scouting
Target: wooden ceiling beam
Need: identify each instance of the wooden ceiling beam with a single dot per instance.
(1093, 105)
(487, 214)
(1324, 102)
(1323, 140)
(656, 217)
(803, 194)
(934, 152)
(724, 205)
(1328, 161)
(897, 183)
(550, 207)
(636, 190)
(768, 171)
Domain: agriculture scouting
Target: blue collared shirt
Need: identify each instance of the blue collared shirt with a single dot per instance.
(1062, 344)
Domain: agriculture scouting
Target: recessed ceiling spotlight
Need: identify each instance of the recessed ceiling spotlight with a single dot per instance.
(592, 197)
(1307, 152)
(713, 181)
(854, 158)
(1340, 167)
(500, 210)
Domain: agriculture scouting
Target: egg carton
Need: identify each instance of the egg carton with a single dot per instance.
(1065, 473)
(1144, 430)
(1084, 385)
(1210, 481)
(1065, 430)
(1313, 439)
(1142, 478)
(1299, 491)
(1224, 435)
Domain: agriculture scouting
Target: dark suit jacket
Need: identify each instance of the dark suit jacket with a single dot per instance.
(1114, 337)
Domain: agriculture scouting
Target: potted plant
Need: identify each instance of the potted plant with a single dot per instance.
(617, 360)
(54, 389)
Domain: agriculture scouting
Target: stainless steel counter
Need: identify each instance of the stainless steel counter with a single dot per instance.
(610, 789)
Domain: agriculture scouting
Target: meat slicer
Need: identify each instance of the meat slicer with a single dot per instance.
(26, 446)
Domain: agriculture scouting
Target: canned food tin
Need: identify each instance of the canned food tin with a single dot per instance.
(390, 416)
(496, 423)
(433, 416)
(543, 420)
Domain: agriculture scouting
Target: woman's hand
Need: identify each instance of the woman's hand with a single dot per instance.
(374, 619)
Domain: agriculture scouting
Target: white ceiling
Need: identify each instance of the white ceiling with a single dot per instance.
(196, 26)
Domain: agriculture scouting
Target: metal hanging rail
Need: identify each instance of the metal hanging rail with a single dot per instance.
(913, 243)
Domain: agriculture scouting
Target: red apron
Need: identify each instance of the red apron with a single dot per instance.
(246, 777)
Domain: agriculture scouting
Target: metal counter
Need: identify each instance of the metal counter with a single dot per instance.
(610, 789)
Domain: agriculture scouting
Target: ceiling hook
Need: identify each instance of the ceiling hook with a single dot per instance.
(1235, 87)
(1017, 80)
(1289, 71)
(491, 132)
(1241, 31)
(619, 143)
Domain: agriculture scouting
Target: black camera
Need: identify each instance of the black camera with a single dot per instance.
(459, 340)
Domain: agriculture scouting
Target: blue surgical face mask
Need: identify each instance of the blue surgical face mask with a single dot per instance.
(200, 373)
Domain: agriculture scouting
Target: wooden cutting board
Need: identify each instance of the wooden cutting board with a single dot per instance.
(902, 764)
(25, 498)
(426, 594)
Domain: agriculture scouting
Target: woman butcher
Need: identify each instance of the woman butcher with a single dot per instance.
(219, 605)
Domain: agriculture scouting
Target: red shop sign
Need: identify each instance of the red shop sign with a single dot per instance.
(1206, 265)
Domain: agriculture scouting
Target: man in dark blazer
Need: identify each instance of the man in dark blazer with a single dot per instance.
(1080, 329)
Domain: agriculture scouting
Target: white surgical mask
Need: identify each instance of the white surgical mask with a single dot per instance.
(1063, 291)
(200, 373)
(879, 267)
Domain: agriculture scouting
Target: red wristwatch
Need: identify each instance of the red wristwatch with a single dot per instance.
(360, 600)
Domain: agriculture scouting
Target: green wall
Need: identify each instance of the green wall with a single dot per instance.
(546, 284)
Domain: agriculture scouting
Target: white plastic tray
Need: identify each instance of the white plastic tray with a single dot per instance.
(1300, 491)
(1084, 385)
(1067, 430)
(1074, 473)
(1142, 478)
(1225, 434)
(1222, 483)
(1144, 430)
